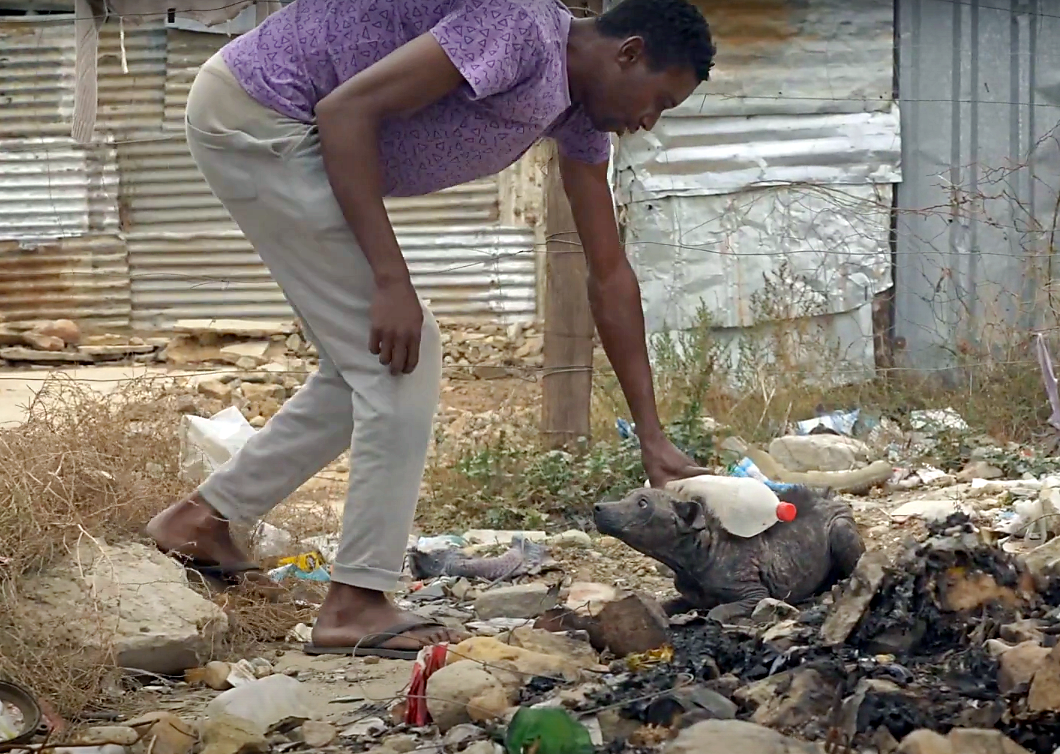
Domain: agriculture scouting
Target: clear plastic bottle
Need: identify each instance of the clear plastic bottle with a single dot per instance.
(743, 505)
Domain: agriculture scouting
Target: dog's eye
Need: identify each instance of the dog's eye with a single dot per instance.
(642, 503)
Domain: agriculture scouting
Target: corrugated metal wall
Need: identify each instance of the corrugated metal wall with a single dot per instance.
(189, 260)
(767, 194)
(127, 232)
(61, 251)
(977, 226)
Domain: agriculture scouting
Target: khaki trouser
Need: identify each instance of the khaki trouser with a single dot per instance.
(267, 171)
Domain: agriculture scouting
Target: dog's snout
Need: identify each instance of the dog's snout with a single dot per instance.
(598, 507)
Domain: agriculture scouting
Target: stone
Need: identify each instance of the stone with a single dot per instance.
(490, 705)
(575, 651)
(116, 352)
(460, 736)
(589, 598)
(688, 705)
(222, 391)
(240, 328)
(1044, 694)
(631, 625)
(979, 470)
(925, 742)
(517, 601)
(122, 735)
(982, 741)
(253, 353)
(513, 664)
(735, 735)
(1021, 631)
(65, 330)
(1042, 561)
(128, 602)
(1018, 665)
(450, 690)
(213, 675)
(823, 452)
(803, 697)
(571, 538)
(43, 342)
(9, 336)
(164, 733)
(770, 610)
(317, 734)
(261, 392)
(19, 353)
(851, 605)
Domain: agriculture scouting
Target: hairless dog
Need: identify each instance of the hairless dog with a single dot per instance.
(728, 575)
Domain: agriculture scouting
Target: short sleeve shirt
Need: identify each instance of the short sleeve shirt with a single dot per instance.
(511, 53)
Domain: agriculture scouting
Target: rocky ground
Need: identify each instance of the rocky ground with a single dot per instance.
(944, 640)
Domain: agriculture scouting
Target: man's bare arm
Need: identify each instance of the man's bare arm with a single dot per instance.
(614, 297)
(405, 81)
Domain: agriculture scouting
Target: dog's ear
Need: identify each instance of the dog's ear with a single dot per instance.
(691, 513)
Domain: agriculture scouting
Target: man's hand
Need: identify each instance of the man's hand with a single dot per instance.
(397, 323)
(664, 463)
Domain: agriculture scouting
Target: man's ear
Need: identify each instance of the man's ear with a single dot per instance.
(691, 513)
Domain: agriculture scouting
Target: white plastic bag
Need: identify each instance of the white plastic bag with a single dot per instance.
(205, 444)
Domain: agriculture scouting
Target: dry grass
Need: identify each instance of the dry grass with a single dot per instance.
(90, 467)
(81, 464)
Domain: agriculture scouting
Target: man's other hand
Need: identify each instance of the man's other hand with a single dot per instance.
(397, 324)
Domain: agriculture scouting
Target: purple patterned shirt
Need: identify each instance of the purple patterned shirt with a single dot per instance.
(512, 54)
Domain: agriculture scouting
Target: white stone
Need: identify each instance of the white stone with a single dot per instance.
(131, 602)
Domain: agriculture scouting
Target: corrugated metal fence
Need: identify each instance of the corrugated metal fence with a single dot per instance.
(126, 231)
(978, 207)
(767, 195)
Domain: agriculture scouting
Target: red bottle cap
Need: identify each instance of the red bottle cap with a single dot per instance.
(786, 512)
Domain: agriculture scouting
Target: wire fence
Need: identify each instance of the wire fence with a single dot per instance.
(953, 260)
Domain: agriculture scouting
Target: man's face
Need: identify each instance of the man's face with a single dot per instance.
(630, 95)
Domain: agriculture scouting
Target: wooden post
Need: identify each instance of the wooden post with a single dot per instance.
(568, 357)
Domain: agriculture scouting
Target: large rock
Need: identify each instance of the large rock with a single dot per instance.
(1019, 664)
(462, 692)
(1044, 694)
(129, 603)
(712, 736)
(516, 601)
(823, 452)
(959, 741)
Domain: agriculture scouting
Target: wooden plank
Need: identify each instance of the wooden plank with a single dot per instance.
(568, 348)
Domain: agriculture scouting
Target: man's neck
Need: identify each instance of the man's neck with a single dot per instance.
(580, 42)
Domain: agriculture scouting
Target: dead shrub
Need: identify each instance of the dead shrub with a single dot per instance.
(81, 464)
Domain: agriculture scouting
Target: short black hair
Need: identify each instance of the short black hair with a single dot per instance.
(674, 32)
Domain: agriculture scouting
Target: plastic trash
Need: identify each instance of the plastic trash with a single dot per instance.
(206, 444)
(749, 469)
(745, 506)
(840, 422)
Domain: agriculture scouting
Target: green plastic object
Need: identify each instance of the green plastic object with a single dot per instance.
(546, 731)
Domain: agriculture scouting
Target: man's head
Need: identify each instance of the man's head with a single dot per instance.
(647, 56)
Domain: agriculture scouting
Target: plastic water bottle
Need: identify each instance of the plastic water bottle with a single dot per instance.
(744, 506)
